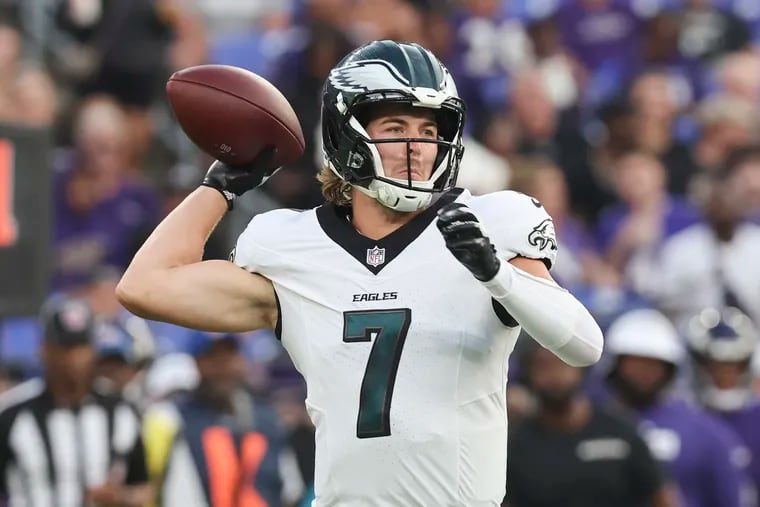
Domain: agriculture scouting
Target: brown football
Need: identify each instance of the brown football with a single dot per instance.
(232, 114)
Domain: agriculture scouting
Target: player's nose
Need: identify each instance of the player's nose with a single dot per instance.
(414, 148)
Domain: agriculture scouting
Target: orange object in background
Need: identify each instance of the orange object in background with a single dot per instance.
(232, 476)
(8, 227)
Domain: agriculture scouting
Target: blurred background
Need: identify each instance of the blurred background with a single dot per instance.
(634, 122)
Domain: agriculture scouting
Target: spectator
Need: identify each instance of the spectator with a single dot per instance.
(125, 50)
(722, 344)
(102, 211)
(559, 70)
(219, 443)
(708, 32)
(656, 98)
(684, 283)
(629, 233)
(123, 351)
(699, 450)
(27, 95)
(69, 442)
(604, 35)
(546, 132)
(126, 47)
(488, 46)
(727, 123)
(738, 75)
(574, 454)
(481, 170)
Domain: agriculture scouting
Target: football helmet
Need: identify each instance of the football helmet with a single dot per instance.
(386, 72)
(645, 332)
(722, 336)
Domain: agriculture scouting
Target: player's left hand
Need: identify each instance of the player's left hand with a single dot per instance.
(465, 239)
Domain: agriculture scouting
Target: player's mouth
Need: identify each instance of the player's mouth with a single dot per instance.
(413, 173)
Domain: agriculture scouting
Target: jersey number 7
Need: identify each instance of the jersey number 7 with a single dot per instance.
(389, 329)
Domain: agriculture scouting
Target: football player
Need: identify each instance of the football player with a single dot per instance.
(704, 456)
(722, 345)
(403, 345)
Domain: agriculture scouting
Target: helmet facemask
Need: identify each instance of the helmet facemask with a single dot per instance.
(387, 73)
(363, 165)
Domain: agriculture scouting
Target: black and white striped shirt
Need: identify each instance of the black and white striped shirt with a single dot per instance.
(49, 455)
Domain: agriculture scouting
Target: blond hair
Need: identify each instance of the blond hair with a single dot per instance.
(334, 189)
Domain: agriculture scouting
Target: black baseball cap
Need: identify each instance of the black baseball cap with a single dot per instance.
(67, 321)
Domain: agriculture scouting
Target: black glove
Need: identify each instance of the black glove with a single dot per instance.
(234, 181)
(465, 239)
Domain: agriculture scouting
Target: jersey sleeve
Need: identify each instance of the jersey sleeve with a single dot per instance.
(245, 253)
(518, 225)
(261, 238)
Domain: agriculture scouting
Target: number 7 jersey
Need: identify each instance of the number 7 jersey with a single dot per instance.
(403, 352)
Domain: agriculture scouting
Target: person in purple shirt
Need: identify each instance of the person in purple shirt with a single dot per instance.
(703, 454)
(488, 45)
(646, 214)
(605, 36)
(101, 216)
(722, 344)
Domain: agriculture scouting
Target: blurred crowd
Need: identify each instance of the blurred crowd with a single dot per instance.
(635, 122)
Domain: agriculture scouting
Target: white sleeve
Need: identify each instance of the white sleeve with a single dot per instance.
(518, 225)
(245, 253)
(549, 314)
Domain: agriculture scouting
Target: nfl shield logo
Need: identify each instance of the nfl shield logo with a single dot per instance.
(375, 256)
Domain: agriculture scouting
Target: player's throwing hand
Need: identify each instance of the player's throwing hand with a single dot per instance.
(465, 239)
(234, 181)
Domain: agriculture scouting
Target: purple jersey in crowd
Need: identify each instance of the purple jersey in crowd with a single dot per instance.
(107, 235)
(704, 456)
(601, 35)
(678, 215)
(746, 424)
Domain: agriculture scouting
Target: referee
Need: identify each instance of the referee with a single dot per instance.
(62, 443)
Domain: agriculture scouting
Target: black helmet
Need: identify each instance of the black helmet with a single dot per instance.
(390, 72)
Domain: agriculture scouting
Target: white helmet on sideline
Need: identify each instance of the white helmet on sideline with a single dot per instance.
(645, 333)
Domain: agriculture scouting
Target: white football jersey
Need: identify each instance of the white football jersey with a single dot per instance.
(404, 356)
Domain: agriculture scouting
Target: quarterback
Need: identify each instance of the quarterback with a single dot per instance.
(399, 299)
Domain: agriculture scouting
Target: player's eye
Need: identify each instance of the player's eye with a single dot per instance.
(430, 133)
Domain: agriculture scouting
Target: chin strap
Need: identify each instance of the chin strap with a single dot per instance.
(396, 198)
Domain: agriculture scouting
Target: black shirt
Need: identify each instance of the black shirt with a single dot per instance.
(604, 464)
